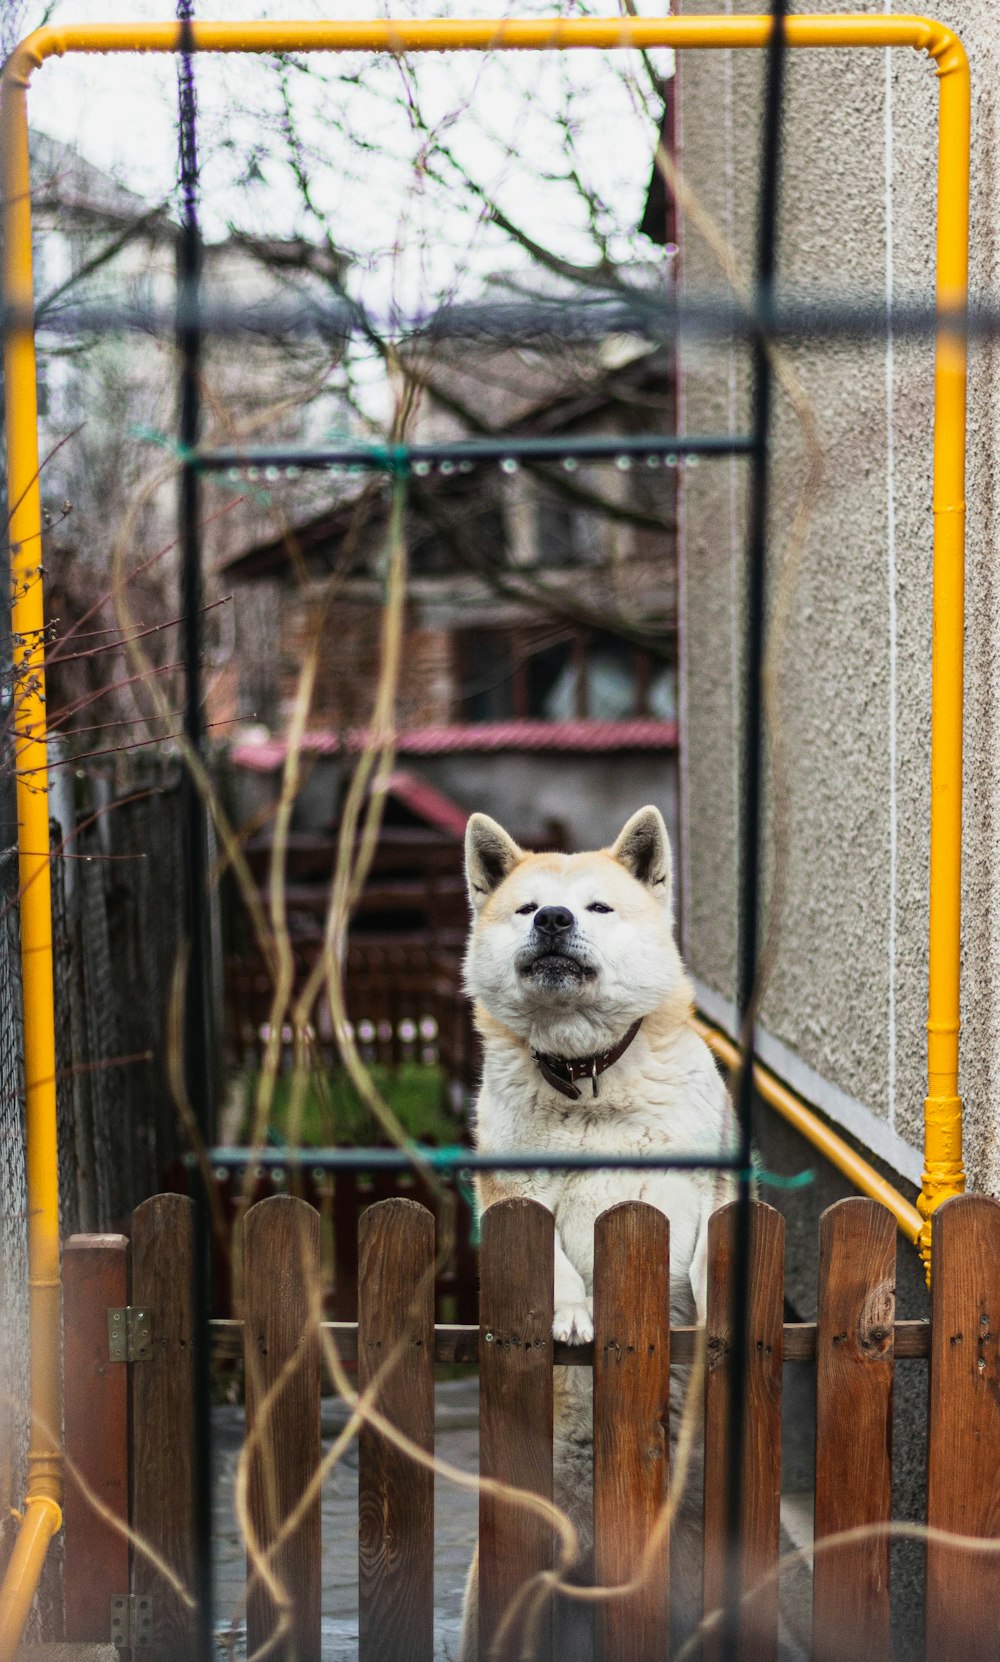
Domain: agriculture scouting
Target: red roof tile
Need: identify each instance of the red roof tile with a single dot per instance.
(573, 736)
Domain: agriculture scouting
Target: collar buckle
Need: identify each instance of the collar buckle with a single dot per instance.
(561, 1072)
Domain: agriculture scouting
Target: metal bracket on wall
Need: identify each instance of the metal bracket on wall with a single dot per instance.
(130, 1335)
(131, 1621)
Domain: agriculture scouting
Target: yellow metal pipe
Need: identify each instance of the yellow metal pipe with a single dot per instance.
(943, 1167)
(944, 1173)
(43, 1517)
(834, 1148)
(542, 34)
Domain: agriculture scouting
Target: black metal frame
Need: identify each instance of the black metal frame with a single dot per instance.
(400, 460)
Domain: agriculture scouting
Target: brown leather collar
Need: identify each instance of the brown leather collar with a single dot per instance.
(562, 1071)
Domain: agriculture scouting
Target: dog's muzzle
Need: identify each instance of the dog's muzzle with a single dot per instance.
(548, 955)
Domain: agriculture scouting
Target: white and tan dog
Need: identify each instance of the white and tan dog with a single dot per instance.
(584, 1010)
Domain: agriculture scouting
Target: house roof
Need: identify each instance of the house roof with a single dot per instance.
(560, 411)
(580, 737)
(65, 179)
(426, 802)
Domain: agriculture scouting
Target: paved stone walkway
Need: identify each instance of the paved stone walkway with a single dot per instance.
(457, 1440)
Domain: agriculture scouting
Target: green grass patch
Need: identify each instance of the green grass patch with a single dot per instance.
(332, 1111)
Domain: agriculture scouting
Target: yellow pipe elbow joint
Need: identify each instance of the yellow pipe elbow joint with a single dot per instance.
(42, 1520)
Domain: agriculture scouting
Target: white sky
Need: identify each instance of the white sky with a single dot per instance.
(416, 237)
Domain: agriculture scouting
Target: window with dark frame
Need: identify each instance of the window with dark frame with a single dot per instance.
(512, 674)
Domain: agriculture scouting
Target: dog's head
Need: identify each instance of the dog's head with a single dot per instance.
(568, 948)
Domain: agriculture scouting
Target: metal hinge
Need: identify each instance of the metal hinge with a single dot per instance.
(130, 1335)
(131, 1621)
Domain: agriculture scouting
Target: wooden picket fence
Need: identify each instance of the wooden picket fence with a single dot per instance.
(129, 1428)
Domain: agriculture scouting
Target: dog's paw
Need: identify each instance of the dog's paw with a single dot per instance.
(573, 1324)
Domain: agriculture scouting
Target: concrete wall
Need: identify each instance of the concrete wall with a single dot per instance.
(844, 1011)
(590, 795)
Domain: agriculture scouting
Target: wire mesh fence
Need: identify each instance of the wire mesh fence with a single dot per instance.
(13, 1198)
(116, 886)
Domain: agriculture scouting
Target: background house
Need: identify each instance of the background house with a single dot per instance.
(541, 614)
(107, 419)
(538, 677)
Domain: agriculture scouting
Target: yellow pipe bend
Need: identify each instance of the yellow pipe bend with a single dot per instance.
(42, 1520)
(943, 1164)
(483, 35)
(833, 1147)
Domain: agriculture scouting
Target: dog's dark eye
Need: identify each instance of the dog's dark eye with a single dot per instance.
(599, 906)
(523, 910)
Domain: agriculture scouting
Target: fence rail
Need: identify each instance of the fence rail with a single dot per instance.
(394, 1347)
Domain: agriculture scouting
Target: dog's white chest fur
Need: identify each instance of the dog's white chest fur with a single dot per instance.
(664, 1095)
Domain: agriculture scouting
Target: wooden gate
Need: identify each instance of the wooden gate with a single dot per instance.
(392, 1352)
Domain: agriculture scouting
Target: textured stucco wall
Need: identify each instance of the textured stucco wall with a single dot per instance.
(846, 1004)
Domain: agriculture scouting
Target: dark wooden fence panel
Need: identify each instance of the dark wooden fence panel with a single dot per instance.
(163, 1477)
(281, 1350)
(515, 1412)
(963, 1475)
(631, 1425)
(854, 1375)
(760, 1485)
(854, 1345)
(95, 1415)
(395, 1494)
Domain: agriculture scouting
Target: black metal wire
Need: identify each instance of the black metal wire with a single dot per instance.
(460, 1159)
(750, 827)
(196, 1072)
(470, 453)
(796, 320)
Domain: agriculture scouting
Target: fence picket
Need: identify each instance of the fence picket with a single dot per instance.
(631, 1425)
(515, 1411)
(760, 1483)
(163, 1419)
(963, 1469)
(395, 1495)
(95, 1416)
(281, 1270)
(854, 1379)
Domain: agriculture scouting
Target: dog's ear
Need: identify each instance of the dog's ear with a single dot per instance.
(643, 848)
(489, 855)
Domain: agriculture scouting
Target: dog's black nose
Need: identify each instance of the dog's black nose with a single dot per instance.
(553, 920)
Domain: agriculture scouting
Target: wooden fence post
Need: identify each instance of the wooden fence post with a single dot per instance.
(631, 1425)
(281, 1351)
(760, 1485)
(395, 1495)
(963, 1461)
(95, 1414)
(163, 1420)
(515, 1412)
(854, 1373)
